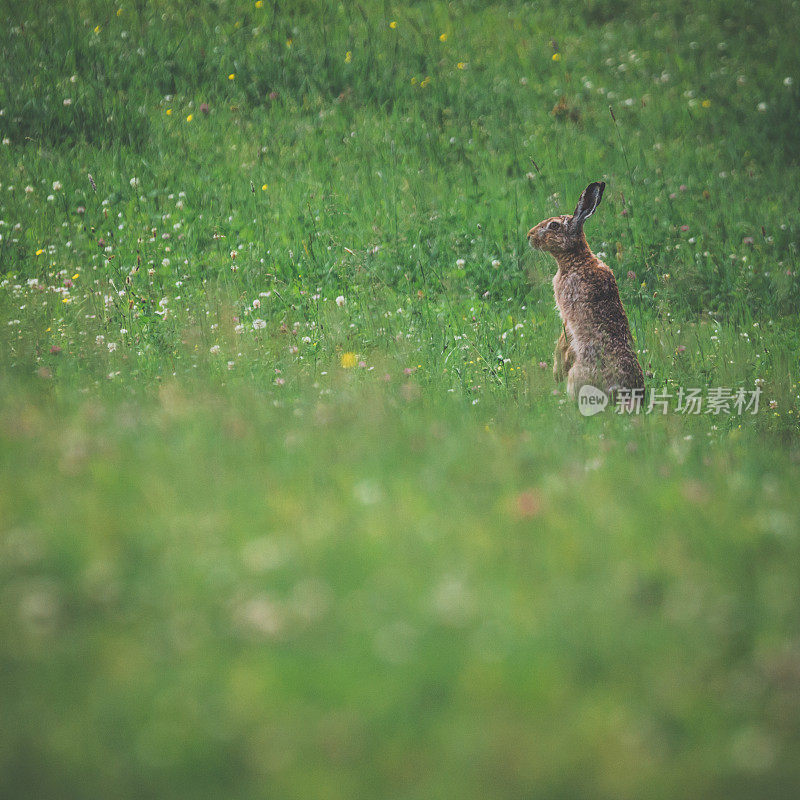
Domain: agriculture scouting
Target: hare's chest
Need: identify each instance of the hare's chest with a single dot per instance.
(567, 293)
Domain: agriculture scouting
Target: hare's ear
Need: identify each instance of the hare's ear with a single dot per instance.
(589, 201)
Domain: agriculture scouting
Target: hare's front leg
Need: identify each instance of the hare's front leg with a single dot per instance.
(581, 375)
(563, 358)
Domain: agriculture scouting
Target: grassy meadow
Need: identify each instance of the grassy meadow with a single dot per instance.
(290, 505)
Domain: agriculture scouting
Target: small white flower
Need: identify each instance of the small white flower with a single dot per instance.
(239, 329)
(123, 331)
(787, 81)
(6, 141)
(98, 340)
(134, 182)
(256, 303)
(340, 301)
(495, 263)
(56, 186)
(112, 346)
(165, 262)
(67, 101)
(28, 189)
(762, 106)
(460, 262)
(259, 324)
(214, 349)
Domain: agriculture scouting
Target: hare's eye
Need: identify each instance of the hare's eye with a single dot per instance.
(554, 225)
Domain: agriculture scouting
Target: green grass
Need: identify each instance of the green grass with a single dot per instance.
(231, 566)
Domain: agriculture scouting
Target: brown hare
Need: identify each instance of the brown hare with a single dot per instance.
(596, 346)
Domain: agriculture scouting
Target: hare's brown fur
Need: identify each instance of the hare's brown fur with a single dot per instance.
(596, 346)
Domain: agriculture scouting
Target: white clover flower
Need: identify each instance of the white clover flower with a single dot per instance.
(460, 262)
(762, 106)
(165, 262)
(787, 81)
(56, 186)
(495, 263)
(340, 301)
(256, 303)
(112, 346)
(214, 349)
(28, 189)
(67, 101)
(259, 324)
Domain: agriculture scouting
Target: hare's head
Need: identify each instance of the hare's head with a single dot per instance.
(565, 233)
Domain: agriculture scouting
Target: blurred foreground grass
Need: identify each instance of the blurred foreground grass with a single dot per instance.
(207, 596)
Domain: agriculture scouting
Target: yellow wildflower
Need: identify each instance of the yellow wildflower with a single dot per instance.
(119, 12)
(76, 276)
(97, 29)
(424, 82)
(556, 56)
(39, 252)
(392, 24)
(169, 112)
(706, 104)
(264, 188)
(461, 65)
(190, 117)
(231, 76)
(349, 360)
(289, 42)
(259, 3)
(442, 37)
(348, 57)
